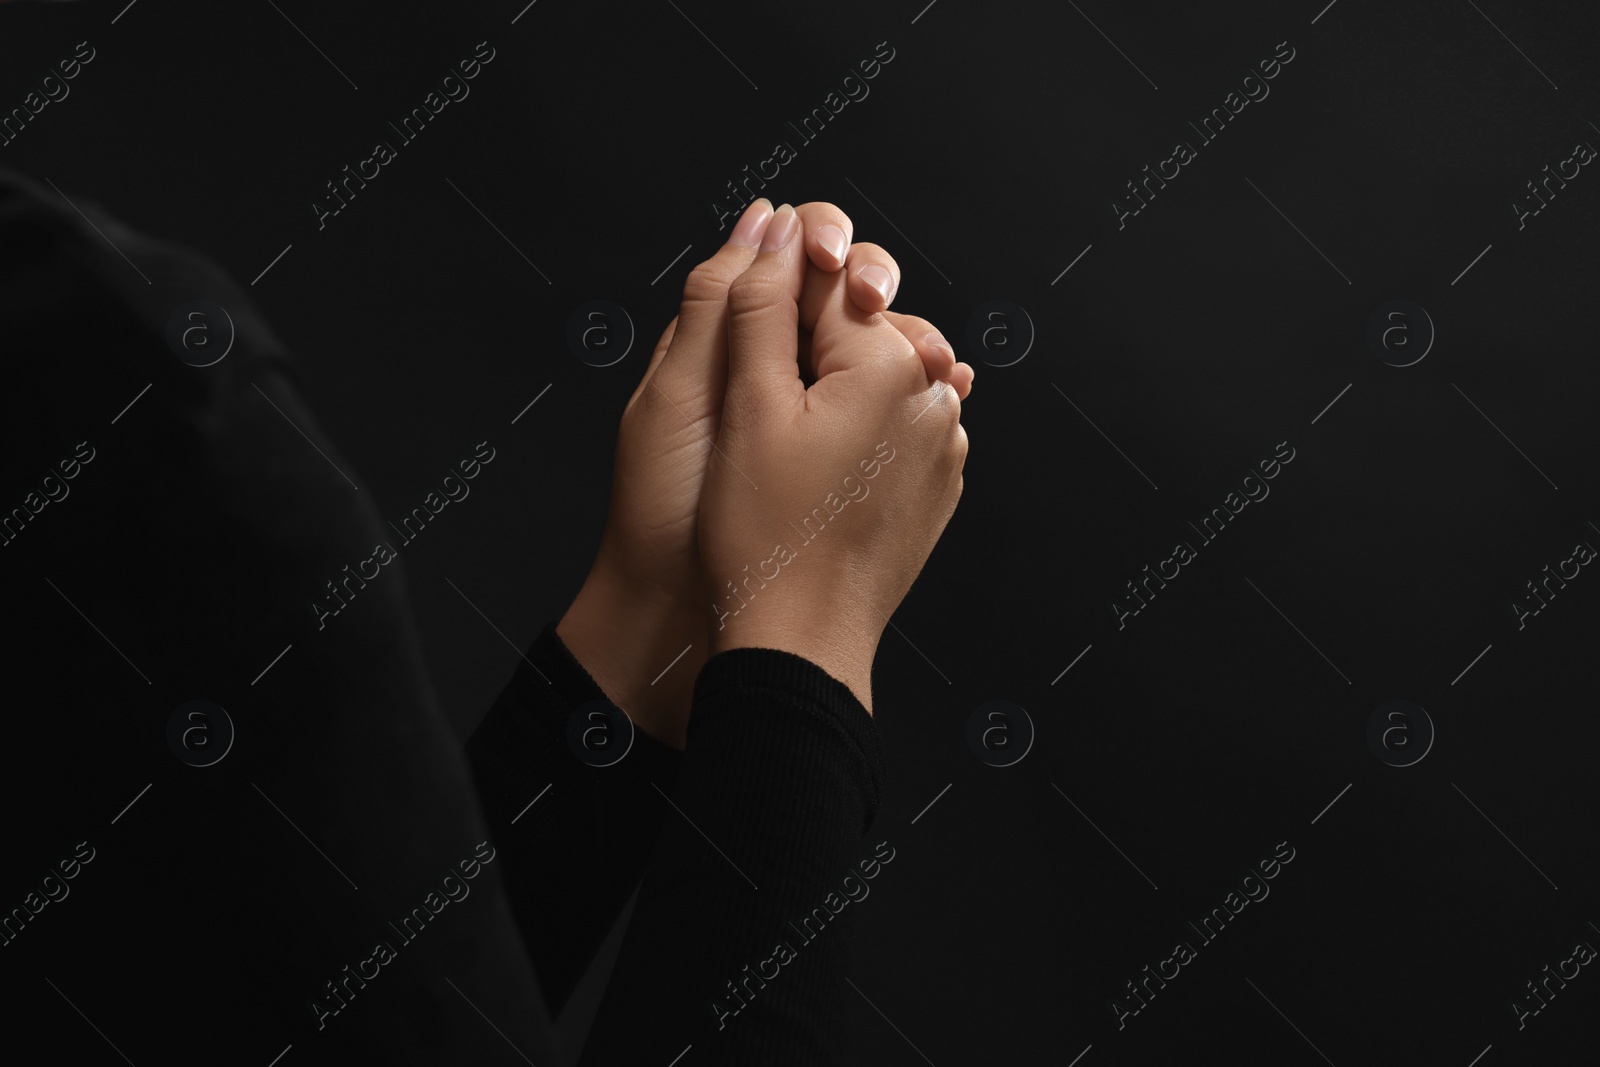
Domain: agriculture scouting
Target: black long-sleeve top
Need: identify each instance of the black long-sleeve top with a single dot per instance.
(202, 519)
(739, 943)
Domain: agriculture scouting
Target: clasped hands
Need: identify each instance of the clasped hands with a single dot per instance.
(783, 377)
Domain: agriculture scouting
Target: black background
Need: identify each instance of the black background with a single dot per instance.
(1215, 724)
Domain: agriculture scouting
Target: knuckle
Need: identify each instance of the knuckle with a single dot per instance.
(926, 406)
(754, 294)
(708, 281)
(823, 211)
(954, 431)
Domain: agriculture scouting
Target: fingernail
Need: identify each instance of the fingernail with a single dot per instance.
(879, 279)
(752, 224)
(832, 239)
(936, 340)
(782, 229)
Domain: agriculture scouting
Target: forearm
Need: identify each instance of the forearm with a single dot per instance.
(779, 783)
(574, 837)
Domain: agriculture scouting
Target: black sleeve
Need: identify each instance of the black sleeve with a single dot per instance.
(739, 944)
(574, 836)
(204, 512)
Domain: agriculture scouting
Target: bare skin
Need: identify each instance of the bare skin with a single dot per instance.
(883, 451)
(647, 594)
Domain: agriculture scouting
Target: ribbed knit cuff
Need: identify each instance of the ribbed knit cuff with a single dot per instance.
(795, 686)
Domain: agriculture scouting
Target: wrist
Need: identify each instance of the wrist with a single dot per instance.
(844, 653)
(632, 640)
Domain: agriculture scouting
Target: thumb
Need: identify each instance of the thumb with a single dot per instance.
(698, 346)
(763, 317)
